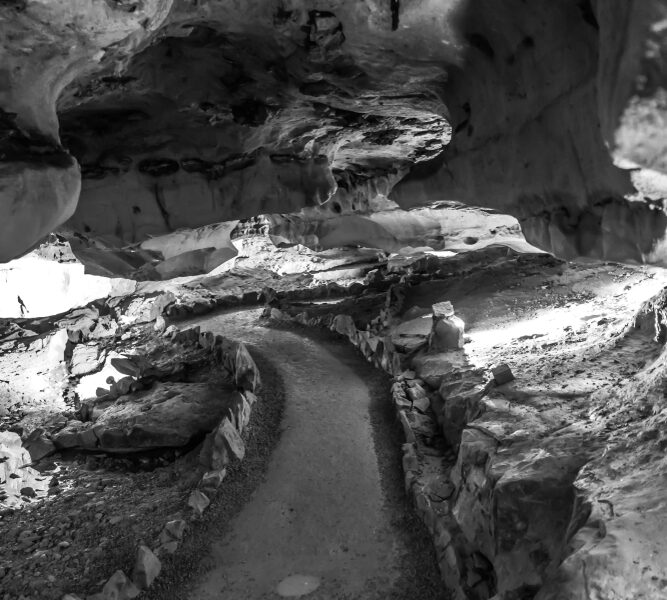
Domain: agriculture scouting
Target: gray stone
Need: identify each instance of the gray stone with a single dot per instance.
(222, 444)
(160, 325)
(502, 374)
(246, 373)
(212, 480)
(38, 445)
(419, 399)
(86, 358)
(88, 438)
(147, 567)
(172, 531)
(198, 502)
(447, 334)
(119, 587)
(167, 415)
(443, 310)
(127, 366)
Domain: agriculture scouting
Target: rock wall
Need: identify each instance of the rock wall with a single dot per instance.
(167, 114)
(545, 91)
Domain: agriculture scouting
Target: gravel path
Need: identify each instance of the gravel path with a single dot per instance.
(331, 505)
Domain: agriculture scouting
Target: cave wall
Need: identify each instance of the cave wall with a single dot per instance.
(130, 119)
(544, 109)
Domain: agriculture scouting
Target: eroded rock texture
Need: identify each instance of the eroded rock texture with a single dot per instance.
(557, 112)
(184, 113)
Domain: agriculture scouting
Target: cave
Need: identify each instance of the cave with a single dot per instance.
(330, 299)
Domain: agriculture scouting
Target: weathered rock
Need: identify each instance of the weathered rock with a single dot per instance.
(86, 358)
(147, 567)
(160, 325)
(198, 502)
(127, 366)
(173, 531)
(39, 445)
(443, 310)
(119, 587)
(246, 372)
(167, 415)
(344, 325)
(447, 334)
(222, 445)
(502, 374)
(411, 335)
(419, 399)
(212, 480)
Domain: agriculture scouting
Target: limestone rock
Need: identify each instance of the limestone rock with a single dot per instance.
(119, 587)
(502, 374)
(198, 502)
(222, 445)
(172, 531)
(147, 567)
(419, 399)
(86, 358)
(447, 334)
(167, 415)
(212, 480)
(39, 445)
(443, 310)
(246, 372)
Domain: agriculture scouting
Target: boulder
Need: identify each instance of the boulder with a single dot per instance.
(167, 415)
(412, 334)
(39, 445)
(447, 334)
(68, 437)
(160, 325)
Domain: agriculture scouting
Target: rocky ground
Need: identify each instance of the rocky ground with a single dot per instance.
(551, 450)
(584, 415)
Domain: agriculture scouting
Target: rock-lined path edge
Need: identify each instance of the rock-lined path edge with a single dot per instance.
(327, 508)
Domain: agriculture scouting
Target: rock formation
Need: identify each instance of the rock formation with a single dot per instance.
(130, 119)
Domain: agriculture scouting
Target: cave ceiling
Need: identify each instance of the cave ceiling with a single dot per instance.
(123, 120)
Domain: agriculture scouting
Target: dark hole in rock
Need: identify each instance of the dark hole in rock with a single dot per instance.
(478, 41)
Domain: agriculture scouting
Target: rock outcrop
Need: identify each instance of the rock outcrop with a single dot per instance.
(167, 115)
(556, 118)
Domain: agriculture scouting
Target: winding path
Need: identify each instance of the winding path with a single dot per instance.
(322, 510)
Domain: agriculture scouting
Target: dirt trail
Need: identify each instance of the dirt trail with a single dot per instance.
(323, 509)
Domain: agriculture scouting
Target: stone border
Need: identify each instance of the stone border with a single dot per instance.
(220, 446)
(464, 572)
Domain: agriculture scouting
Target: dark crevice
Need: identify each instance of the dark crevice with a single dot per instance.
(395, 7)
(588, 14)
(160, 204)
(478, 41)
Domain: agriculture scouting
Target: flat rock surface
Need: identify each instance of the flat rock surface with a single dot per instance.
(167, 415)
